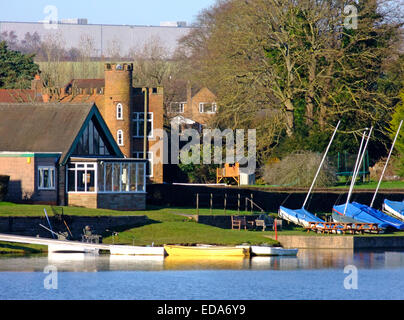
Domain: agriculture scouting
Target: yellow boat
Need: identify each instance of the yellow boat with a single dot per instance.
(208, 251)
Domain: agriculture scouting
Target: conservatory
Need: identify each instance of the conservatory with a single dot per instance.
(107, 183)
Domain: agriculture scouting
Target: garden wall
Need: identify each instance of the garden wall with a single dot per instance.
(270, 200)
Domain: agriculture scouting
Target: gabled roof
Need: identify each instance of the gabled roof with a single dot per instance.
(20, 96)
(47, 127)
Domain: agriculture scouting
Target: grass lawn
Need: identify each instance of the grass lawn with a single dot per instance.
(167, 226)
(17, 248)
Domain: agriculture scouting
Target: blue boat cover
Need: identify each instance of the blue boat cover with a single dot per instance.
(367, 214)
(302, 214)
(395, 205)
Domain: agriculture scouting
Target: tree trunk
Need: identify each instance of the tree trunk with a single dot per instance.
(290, 117)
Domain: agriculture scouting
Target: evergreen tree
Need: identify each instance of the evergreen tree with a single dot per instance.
(16, 69)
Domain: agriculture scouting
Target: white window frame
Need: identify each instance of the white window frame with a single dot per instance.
(202, 107)
(85, 168)
(120, 180)
(52, 178)
(119, 111)
(181, 107)
(119, 138)
(137, 117)
(150, 159)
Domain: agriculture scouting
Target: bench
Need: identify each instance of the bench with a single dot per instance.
(238, 223)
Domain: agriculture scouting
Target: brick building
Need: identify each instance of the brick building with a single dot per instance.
(193, 107)
(64, 154)
(125, 109)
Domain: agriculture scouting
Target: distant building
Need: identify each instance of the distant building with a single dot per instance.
(192, 107)
(64, 154)
(177, 24)
(105, 37)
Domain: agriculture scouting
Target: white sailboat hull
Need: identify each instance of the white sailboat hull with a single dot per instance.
(137, 251)
(286, 216)
(393, 212)
(273, 251)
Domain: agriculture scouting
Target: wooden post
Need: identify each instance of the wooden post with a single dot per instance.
(197, 204)
(211, 202)
(246, 204)
(252, 203)
(225, 203)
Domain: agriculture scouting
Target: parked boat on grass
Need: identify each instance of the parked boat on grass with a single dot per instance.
(301, 216)
(395, 208)
(204, 251)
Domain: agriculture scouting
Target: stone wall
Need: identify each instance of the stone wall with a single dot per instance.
(341, 242)
(112, 201)
(30, 226)
(122, 201)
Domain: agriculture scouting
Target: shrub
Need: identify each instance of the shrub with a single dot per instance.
(4, 180)
(298, 170)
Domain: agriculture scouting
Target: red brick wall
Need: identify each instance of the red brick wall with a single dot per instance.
(23, 173)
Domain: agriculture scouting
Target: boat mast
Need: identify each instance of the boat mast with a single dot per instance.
(358, 164)
(387, 162)
(321, 164)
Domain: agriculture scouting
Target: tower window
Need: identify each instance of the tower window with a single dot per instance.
(119, 111)
(119, 137)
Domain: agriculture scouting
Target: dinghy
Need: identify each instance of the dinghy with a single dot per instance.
(301, 216)
(357, 213)
(204, 251)
(272, 251)
(136, 251)
(364, 213)
(395, 208)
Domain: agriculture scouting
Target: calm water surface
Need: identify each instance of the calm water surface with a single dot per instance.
(313, 274)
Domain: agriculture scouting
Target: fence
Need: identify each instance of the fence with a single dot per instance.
(227, 202)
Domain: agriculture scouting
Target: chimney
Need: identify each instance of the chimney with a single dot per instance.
(36, 84)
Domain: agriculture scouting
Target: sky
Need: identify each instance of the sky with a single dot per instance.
(131, 12)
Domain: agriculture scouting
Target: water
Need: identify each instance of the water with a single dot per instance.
(311, 275)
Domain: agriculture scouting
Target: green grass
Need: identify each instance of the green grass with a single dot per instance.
(167, 225)
(12, 248)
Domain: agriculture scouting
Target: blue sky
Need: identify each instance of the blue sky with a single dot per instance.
(136, 12)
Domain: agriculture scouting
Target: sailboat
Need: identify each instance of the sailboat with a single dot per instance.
(360, 212)
(301, 216)
(395, 208)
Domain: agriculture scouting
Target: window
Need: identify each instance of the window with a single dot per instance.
(119, 111)
(81, 177)
(138, 124)
(126, 177)
(177, 107)
(149, 164)
(205, 107)
(119, 137)
(92, 142)
(46, 178)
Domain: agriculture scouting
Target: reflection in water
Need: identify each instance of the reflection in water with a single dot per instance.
(306, 260)
(150, 263)
(206, 263)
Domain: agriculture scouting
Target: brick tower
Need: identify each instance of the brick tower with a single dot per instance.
(118, 104)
